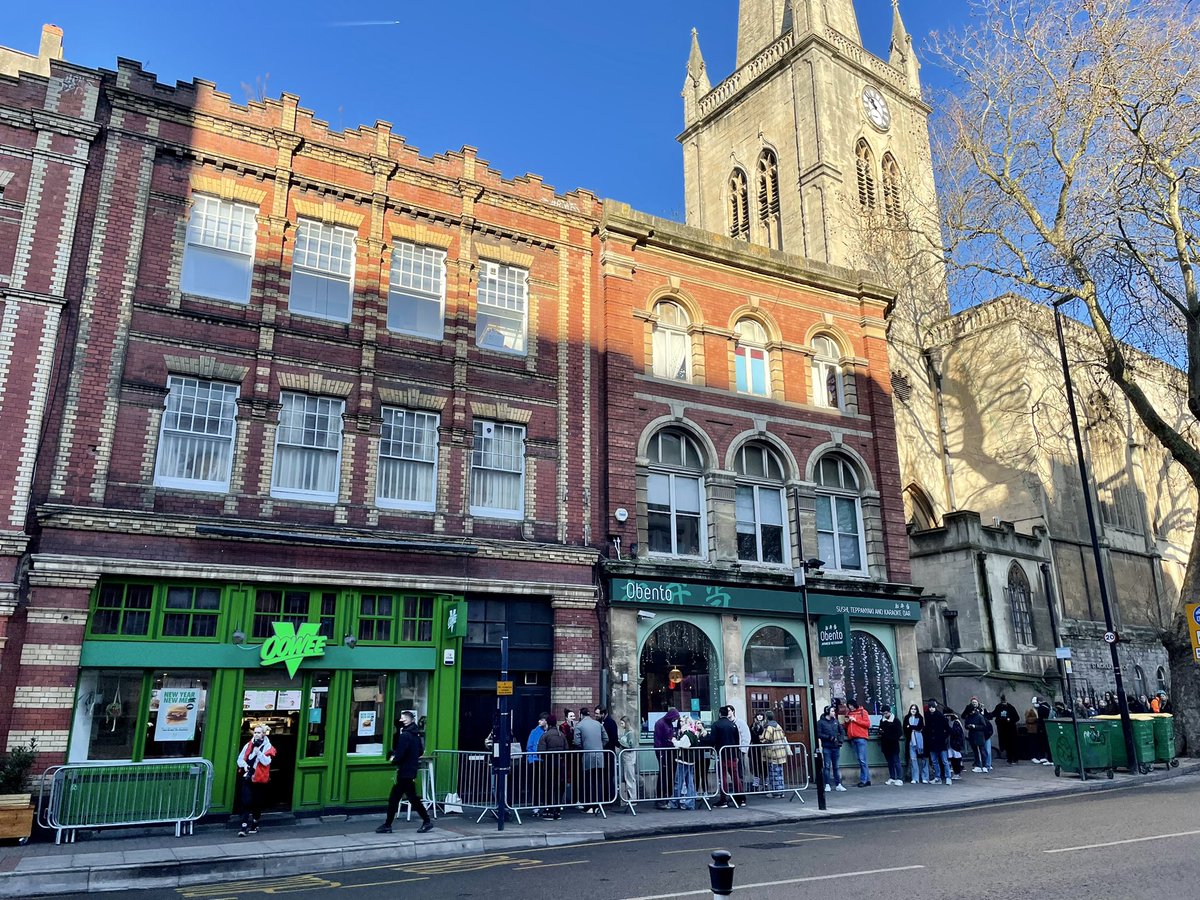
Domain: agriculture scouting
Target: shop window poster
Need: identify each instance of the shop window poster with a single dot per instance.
(177, 712)
(366, 724)
(289, 700)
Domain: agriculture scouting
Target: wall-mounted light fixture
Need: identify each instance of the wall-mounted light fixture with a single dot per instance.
(911, 684)
(350, 641)
(734, 680)
(239, 637)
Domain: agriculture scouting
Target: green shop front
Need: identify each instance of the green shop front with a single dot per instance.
(701, 646)
(170, 670)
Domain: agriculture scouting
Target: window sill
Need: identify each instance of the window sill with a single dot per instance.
(323, 499)
(499, 514)
(193, 487)
(398, 507)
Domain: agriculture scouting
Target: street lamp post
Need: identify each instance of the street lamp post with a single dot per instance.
(1110, 633)
(801, 577)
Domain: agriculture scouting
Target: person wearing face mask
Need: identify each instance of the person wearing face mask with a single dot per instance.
(254, 774)
(914, 733)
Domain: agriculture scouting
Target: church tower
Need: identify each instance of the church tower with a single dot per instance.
(815, 147)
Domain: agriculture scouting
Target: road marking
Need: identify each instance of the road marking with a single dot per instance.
(766, 884)
(573, 862)
(456, 866)
(382, 883)
(675, 837)
(693, 850)
(815, 837)
(1155, 837)
(284, 885)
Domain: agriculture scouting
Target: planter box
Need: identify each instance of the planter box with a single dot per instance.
(14, 801)
(16, 823)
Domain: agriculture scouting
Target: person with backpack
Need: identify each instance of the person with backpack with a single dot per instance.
(775, 753)
(405, 757)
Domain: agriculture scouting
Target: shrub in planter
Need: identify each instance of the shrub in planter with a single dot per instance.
(15, 766)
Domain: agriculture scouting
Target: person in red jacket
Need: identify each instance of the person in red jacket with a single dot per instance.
(858, 726)
(254, 774)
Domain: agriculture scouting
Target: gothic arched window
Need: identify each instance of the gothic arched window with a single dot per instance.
(768, 199)
(1020, 609)
(739, 206)
(865, 166)
(891, 189)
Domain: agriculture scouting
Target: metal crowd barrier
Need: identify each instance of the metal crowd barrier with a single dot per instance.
(656, 775)
(465, 781)
(117, 794)
(547, 781)
(772, 770)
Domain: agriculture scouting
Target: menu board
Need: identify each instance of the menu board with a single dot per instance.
(258, 700)
(289, 700)
(366, 724)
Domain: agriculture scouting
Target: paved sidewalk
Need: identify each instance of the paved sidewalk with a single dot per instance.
(127, 859)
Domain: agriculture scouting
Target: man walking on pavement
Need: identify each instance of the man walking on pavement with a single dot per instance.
(858, 726)
(405, 757)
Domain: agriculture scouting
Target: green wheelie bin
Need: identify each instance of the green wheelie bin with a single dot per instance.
(1164, 739)
(1093, 742)
(1143, 741)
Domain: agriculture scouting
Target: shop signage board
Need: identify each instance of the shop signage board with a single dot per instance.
(177, 711)
(504, 688)
(718, 597)
(291, 646)
(456, 619)
(833, 635)
(1193, 617)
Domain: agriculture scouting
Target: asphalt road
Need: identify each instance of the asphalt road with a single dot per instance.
(1140, 842)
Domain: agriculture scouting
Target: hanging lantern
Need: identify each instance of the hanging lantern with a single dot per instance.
(674, 677)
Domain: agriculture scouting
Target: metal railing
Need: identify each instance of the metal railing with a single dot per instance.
(91, 795)
(547, 781)
(465, 780)
(669, 778)
(771, 770)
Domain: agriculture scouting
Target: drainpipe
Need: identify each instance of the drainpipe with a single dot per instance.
(986, 591)
(1048, 587)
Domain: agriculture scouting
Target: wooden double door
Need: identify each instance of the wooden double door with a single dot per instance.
(789, 704)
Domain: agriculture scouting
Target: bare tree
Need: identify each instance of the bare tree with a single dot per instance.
(1070, 168)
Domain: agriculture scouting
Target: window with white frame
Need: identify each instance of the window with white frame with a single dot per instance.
(827, 374)
(501, 308)
(675, 507)
(195, 444)
(672, 343)
(322, 271)
(308, 448)
(840, 540)
(417, 292)
(218, 256)
(408, 448)
(762, 534)
(752, 372)
(498, 470)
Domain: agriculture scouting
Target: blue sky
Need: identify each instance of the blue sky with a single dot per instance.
(585, 95)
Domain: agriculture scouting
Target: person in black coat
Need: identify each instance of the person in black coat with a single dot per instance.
(405, 757)
(937, 742)
(725, 734)
(890, 733)
(1005, 717)
(914, 734)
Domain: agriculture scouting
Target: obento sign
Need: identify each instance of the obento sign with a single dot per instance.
(292, 647)
(833, 635)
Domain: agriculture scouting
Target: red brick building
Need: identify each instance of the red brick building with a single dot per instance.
(316, 384)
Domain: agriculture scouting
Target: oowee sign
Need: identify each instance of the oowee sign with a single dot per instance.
(291, 646)
(833, 635)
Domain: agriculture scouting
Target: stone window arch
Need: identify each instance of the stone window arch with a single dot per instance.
(892, 205)
(841, 537)
(829, 387)
(681, 649)
(752, 361)
(768, 199)
(676, 509)
(761, 504)
(672, 341)
(1019, 606)
(864, 164)
(739, 206)
(773, 656)
(918, 509)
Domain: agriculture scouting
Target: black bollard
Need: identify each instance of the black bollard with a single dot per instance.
(720, 873)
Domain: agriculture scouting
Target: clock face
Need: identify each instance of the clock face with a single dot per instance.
(876, 108)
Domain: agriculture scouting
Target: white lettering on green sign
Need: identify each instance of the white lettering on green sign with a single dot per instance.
(292, 647)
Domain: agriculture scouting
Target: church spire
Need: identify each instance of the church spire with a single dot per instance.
(902, 56)
(696, 85)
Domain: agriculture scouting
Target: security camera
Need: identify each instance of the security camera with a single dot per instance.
(643, 615)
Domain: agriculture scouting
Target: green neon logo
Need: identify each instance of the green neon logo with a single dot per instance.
(292, 647)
